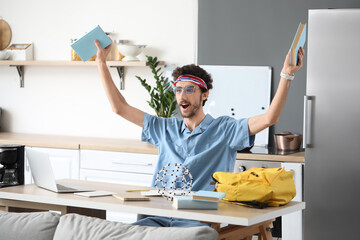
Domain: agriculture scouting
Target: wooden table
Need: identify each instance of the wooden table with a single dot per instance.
(243, 222)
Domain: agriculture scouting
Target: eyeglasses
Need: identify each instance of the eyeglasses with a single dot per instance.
(188, 89)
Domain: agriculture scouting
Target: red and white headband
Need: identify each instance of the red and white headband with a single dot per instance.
(190, 78)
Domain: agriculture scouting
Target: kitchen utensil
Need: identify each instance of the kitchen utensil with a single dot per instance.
(287, 141)
(8, 155)
(4, 55)
(117, 55)
(130, 51)
(21, 51)
(11, 165)
(5, 34)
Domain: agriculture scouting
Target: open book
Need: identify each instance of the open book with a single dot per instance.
(299, 41)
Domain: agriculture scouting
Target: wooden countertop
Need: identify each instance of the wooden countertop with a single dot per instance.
(294, 157)
(71, 142)
(118, 145)
(37, 140)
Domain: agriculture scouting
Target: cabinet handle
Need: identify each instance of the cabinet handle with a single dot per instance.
(27, 167)
(137, 164)
(307, 127)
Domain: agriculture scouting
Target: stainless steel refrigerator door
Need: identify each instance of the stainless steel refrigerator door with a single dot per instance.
(332, 162)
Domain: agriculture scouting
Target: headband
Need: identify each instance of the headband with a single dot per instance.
(191, 78)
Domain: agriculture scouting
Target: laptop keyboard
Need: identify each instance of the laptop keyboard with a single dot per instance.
(62, 187)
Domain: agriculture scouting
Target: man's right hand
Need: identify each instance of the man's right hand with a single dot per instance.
(102, 53)
(116, 99)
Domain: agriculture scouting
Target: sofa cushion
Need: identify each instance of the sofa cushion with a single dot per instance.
(74, 226)
(30, 226)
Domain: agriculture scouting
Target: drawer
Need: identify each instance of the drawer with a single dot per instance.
(242, 165)
(135, 179)
(118, 161)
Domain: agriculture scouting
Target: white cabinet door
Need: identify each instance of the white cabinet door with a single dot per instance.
(135, 179)
(118, 167)
(65, 163)
(115, 177)
(292, 223)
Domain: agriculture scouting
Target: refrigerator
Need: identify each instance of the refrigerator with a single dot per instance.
(332, 125)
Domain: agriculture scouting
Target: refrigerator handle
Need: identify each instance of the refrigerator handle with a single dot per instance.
(307, 127)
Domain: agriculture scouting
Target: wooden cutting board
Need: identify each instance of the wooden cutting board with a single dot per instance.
(5, 34)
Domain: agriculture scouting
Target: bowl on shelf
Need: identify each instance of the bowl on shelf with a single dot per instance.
(130, 51)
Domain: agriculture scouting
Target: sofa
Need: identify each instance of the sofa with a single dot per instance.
(50, 225)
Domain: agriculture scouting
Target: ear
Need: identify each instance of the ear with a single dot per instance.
(205, 95)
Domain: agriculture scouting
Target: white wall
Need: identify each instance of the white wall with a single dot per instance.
(70, 100)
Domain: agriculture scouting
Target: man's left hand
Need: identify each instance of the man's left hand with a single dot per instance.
(289, 69)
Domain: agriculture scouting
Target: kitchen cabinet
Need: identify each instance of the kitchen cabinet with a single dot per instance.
(292, 223)
(106, 166)
(65, 163)
(290, 227)
(117, 167)
(119, 65)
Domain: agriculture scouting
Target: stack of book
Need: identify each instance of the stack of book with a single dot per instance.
(199, 200)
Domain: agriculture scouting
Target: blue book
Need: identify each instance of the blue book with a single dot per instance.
(85, 46)
(208, 196)
(187, 202)
(299, 41)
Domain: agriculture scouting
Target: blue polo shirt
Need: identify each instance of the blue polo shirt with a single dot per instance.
(209, 148)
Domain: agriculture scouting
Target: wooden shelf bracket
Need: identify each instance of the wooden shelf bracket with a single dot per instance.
(119, 65)
(20, 69)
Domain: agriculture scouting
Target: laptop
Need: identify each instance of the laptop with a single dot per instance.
(43, 175)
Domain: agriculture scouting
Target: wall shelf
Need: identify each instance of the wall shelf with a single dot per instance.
(119, 65)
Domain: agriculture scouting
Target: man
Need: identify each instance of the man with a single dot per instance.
(203, 144)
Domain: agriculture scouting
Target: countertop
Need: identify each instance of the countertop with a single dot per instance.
(74, 142)
(118, 145)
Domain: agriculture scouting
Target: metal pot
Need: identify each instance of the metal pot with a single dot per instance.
(288, 141)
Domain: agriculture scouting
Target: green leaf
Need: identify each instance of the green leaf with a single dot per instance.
(162, 97)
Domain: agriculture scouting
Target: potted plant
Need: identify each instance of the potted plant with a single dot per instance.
(162, 96)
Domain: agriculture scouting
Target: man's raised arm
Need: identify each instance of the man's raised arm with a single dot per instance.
(260, 122)
(117, 101)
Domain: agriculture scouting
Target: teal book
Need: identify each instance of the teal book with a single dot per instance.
(187, 202)
(299, 41)
(208, 196)
(85, 46)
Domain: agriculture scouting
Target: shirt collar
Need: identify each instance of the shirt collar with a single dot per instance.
(202, 126)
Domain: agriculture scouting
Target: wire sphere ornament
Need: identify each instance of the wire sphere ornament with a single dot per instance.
(173, 179)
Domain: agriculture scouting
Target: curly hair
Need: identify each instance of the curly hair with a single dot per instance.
(196, 71)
